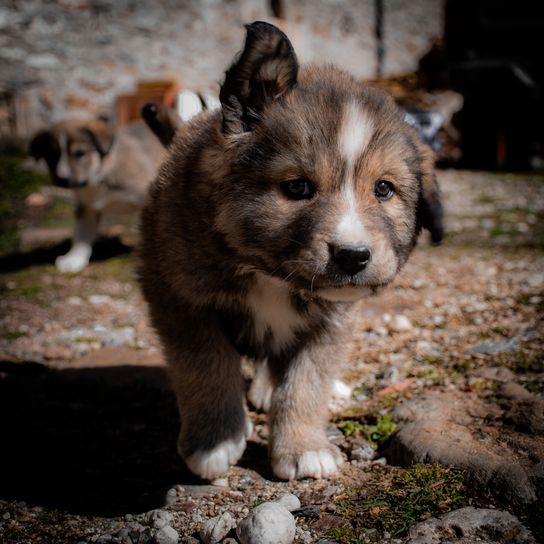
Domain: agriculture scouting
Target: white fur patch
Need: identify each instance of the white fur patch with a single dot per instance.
(355, 133)
(310, 464)
(348, 293)
(261, 389)
(63, 168)
(350, 230)
(210, 464)
(270, 305)
(76, 259)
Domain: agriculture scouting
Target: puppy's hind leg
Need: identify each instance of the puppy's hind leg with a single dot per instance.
(262, 387)
(207, 379)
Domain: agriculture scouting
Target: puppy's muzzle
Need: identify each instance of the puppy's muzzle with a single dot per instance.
(350, 260)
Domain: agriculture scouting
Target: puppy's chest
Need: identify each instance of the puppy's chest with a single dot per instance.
(274, 320)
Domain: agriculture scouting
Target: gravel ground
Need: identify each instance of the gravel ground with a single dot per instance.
(90, 424)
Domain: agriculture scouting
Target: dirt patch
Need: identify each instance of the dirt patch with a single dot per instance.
(90, 423)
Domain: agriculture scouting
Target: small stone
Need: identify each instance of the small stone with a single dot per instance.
(159, 518)
(37, 200)
(401, 323)
(99, 300)
(363, 453)
(217, 528)
(268, 523)
(221, 482)
(341, 390)
(166, 535)
(289, 501)
(488, 347)
(309, 511)
(380, 461)
(42, 60)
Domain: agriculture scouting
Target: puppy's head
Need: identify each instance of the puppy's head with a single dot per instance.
(74, 151)
(328, 187)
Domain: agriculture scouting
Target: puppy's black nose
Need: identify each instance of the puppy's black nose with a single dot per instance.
(349, 259)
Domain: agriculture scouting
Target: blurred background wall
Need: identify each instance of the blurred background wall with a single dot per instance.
(73, 57)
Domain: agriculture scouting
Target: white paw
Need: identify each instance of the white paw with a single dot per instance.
(310, 464)
(210, 464)
(261, 389)
(74, 261)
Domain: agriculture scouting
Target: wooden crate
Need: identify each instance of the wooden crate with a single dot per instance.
(128, 106)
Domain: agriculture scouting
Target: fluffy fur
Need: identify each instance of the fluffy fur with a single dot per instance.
(108, 171)
(264, 225)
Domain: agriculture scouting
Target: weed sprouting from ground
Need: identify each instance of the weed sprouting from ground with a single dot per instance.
(376, 433)
(395, 499)
(16, 183)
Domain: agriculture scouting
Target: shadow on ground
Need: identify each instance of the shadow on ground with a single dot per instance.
(103, 249)
(88, 441)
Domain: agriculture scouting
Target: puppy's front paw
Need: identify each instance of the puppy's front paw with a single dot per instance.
(319, 463)
(73, 261)
(210, 464)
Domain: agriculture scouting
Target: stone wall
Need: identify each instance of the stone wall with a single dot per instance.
(73, 57)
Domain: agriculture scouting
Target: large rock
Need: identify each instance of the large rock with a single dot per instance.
(447, 428)
(268, 523)
(470, 525)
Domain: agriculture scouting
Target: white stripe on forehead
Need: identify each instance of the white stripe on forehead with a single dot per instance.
(355, 133)
(63, 169)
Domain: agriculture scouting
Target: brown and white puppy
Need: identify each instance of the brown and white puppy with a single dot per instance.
(306, 192)
(108, 171)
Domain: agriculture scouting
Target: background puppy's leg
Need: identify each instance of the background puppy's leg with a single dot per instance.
(207, 379)
(299, 447)
(85, 234)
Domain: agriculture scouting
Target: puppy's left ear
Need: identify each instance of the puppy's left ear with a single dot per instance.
(100, 133)
(265, 70)
(42, 144)
(430, 213)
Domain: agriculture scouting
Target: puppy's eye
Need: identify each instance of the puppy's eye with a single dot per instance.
(383, 190)
(78, 153)
(298, 189)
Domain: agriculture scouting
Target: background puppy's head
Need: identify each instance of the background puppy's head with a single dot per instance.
(328, 186)
(74, 151)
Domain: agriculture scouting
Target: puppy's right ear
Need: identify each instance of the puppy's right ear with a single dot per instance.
(265, 70)
(42, 145)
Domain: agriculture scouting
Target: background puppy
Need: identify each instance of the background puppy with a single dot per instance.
(108, 170)
(306, 192)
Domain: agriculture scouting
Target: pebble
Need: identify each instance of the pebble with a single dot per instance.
(221, 482)
(363, 453)
(166, 535)
(380, 461)
(289, 501)
(159, 518)
(215, 529)
(401, 323)
(268, 523)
